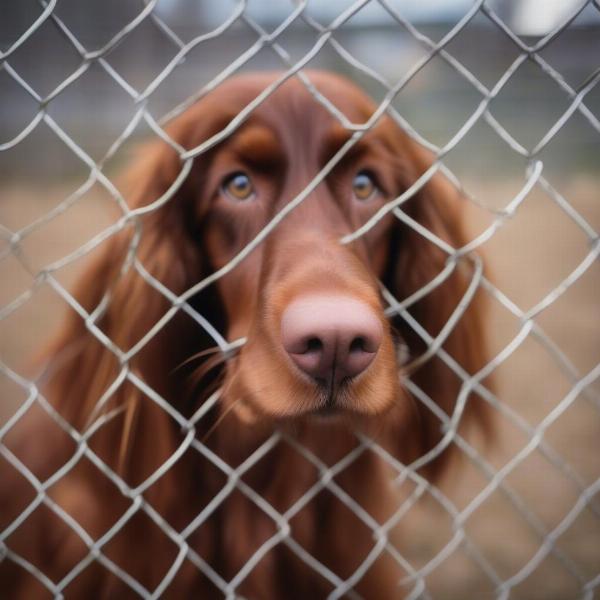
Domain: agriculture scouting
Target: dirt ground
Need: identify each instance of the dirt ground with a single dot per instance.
(528, 257)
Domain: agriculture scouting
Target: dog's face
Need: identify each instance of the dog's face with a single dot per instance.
(309, 304)
(317, 338)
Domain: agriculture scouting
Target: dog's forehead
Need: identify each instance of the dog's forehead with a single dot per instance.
(298, 115)
(307, 101)
(301, 121)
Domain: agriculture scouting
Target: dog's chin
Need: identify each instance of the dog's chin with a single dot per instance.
(335, 416)
(258, 394)
(313, 407)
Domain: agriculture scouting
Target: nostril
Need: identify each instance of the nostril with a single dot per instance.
(313, 344)
(358, 344)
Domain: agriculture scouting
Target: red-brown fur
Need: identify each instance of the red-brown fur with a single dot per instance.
(282, 145)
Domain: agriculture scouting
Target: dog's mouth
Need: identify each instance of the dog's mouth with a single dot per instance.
(265, 382)
(328, 415)
(332, 398)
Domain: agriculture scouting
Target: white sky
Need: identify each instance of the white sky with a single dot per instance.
(530, 17)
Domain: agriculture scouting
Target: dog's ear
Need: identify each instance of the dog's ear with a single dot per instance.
(128, 334)
(110, 369)
(441, 305)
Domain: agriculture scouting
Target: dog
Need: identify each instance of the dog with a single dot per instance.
(180, 466)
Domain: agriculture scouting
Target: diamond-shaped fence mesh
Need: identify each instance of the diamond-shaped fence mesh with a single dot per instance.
(505, 97)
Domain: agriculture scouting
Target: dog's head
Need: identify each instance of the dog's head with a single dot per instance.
(288, 211)
(317, 337)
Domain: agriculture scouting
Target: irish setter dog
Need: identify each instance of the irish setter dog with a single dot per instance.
(147, 471)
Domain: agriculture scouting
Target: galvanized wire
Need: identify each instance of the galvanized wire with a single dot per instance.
(529, 327)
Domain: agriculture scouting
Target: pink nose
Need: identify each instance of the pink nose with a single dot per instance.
(331, 337)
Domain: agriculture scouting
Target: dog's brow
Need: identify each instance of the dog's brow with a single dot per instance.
(336, 137)
(256, 144)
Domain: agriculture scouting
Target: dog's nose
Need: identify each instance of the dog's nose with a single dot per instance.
(331, 337)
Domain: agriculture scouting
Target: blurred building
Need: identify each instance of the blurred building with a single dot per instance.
(94, 108)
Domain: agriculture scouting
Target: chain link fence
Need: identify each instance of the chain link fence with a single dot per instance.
(523, 519)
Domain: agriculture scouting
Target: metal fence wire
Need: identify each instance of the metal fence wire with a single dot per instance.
(560, 545)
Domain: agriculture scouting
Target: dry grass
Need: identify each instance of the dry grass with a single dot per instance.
(528, 257)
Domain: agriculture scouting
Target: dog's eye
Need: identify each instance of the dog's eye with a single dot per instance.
(238, 186)
(364, 185)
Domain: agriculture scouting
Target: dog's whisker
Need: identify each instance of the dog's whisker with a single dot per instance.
(205, 368)
(197, 355)
(220, 419)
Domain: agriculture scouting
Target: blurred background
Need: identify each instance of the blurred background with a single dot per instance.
(59, 114)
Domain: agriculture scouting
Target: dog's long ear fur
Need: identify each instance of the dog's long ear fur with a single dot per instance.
(82, 369)
(84, 365)
(416, 262)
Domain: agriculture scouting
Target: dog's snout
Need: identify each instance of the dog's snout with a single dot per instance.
(331, 338)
